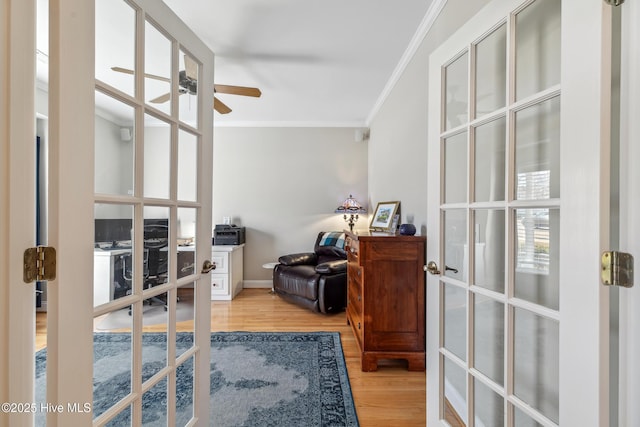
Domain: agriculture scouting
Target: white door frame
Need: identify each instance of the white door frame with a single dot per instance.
(586, 138)
(70, 210)
(630, 212)
(17, 197)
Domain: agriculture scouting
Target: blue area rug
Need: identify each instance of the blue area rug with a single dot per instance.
(257, 379)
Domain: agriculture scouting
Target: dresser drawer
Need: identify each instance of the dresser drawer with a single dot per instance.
(353, 250)
(354, 272)
(354, 296)
(355, 319)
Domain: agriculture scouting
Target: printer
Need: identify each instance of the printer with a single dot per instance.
(228, 234)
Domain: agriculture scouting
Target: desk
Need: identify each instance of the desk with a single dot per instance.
(108, 279)
(107, 275)
(226, 279)
(228, 276)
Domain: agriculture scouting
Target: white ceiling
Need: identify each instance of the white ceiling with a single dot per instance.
(317, 63)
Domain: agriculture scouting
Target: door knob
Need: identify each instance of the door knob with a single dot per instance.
(432, 268)
(207, 266)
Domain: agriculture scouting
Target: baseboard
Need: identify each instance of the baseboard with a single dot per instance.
(257, 284)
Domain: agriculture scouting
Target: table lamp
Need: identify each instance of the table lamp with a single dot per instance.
(350, 208)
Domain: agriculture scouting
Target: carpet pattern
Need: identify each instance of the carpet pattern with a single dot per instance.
(257, 379)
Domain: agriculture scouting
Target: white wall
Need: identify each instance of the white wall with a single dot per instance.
(398, 141)
(283, 185)
(113, 159)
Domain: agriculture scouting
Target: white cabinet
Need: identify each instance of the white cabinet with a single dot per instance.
(227, 277)
(108, 282)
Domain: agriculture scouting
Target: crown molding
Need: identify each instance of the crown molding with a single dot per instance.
(426, 24)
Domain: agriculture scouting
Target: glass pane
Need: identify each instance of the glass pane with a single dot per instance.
(489, 338)
(113, 270)
(184, 317)
(122, 419)
(115, 44)
(457, 92)
(188, 101)
(154, 344)
(455, 393)
(154, 405)
(157, 66)
(184, 392)
(538, 151)
(537, 254)
(523, 420)
(455, 320)
(187, 166)
(490, 252)
(488, 406)
(114, 146)
(156, 245)
(537, 47)
(187, 230)
(108, 365)
(490, 157)
(491, 72)
(455, 244)
(157, 158)
(536, 362)
(455, 168)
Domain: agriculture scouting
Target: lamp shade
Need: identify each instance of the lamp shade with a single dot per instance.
(350, 206)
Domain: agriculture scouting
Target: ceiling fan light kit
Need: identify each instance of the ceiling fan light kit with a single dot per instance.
(188, 83)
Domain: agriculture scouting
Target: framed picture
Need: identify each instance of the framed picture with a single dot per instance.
(383, 216)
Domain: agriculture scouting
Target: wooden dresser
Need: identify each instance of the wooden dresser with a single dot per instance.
(386, 297)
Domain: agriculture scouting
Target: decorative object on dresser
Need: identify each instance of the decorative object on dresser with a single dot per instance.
(386, 297)
(384, 215)
(351, 209)
(227, 276)
(315, 280)
(407, 229)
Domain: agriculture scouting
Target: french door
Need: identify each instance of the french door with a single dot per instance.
(519, 197)
(153, 181)
(129, 147)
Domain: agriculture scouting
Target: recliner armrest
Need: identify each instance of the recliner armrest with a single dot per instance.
(332, 267)
(304, 258)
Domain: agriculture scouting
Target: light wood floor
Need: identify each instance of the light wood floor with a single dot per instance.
(390, 397)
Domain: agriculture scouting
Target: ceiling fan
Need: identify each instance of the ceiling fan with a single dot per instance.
(188, 83)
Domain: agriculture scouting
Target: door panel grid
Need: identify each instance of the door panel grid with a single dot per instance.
(162, 143)
(499, 226)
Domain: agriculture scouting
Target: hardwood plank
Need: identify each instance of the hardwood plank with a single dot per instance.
(390, 396)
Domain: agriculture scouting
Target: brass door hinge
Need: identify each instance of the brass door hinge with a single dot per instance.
(39, 263)
(617, 269)
(614, 2)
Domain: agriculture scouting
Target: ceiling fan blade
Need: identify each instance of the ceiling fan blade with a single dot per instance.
(161, 99)
(220, 106)
(238, 90)
(150, 76)
(190, 67)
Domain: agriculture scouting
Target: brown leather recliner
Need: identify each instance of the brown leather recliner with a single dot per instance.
(315, 280)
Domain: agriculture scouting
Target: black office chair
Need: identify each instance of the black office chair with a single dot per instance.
(155, 263)
(156, 241)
